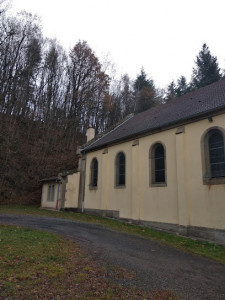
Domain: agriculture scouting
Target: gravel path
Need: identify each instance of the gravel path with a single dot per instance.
(156, 266)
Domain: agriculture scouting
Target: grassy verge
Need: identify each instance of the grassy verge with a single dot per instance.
(39, 265)
(205, 249)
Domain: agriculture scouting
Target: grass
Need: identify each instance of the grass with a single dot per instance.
(38, 265)
(206, 249)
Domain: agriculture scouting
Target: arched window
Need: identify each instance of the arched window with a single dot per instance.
(157, 164)
(213, 157)
(120, 169)
(94, 173)
(216, 154)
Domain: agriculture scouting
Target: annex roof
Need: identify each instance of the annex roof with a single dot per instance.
(50, 179)
(59, 177)
(190, 106)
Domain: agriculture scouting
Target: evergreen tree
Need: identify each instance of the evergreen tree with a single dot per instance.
(182, 86)
(171, 91)
(207, 70)
(142, 81)
(144, 91)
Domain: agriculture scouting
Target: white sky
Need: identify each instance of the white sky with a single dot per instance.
(163, 36)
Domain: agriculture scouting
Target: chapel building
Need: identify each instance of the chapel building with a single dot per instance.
(163, 168)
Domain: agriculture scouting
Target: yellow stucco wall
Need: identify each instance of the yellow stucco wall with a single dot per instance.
(206, 202)
(67, 196)
(185, 200)
(44, 197)
(72, 190)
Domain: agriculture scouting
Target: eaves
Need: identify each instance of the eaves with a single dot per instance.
(167, 126)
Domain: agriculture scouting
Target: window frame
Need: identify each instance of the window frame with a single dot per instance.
(152, 166)
(208, 179)
(118, 170)
(51, 193)
(93, 174)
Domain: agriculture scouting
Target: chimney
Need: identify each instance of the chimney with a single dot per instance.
(90, 133)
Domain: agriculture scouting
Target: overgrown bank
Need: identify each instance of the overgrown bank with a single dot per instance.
(30, 151)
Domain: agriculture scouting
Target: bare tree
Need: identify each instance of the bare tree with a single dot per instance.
(87, 87)
(4, 5)
(21, 55)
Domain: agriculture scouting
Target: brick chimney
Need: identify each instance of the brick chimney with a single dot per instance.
(90, 133)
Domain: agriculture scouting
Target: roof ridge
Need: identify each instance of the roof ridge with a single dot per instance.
(179, 98)
(198, 90)
(208, 99)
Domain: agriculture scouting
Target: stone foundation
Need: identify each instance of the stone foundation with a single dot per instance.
(209, 234)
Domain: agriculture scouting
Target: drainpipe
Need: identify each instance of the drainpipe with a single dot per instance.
(57, 203)
(82, 206)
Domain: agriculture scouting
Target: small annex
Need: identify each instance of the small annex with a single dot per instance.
(163, 168)
(61, 191)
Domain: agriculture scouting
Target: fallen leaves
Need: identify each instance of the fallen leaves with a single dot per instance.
(45, 266)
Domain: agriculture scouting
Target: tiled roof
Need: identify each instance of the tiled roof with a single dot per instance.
(50, 179)
(196, 104)
(59, 177)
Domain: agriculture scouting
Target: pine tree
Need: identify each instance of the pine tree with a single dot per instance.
(144, 90)
(182, 86)
(142, 81)
(207, 70)
(171, 91)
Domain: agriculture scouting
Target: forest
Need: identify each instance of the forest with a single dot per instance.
(49, 96)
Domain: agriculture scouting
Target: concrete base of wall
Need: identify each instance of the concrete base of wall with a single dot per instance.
(167, 227)
(70, 209)
(211, 234)
(203, 233)
(48, 208)
(103, 213)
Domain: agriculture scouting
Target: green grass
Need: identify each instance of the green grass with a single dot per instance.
(38, 265)
(28, 256)
(206, 249)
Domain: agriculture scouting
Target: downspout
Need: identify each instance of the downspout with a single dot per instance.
(82, 204)
(57, 202)
(61, 200)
